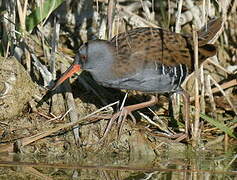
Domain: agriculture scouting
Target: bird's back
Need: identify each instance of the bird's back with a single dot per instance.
(155, 60)
(146, 46)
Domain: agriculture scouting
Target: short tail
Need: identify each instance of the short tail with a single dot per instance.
(205, 35)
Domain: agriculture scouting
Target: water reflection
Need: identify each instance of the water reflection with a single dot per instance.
(167, 166)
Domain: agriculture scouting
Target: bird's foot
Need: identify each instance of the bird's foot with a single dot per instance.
(124, 112)
(121, 116)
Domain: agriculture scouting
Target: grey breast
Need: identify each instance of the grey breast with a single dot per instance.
(156, 79)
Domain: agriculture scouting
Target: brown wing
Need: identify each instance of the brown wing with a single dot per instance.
(150, 46)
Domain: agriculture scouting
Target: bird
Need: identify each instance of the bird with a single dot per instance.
(145, 59)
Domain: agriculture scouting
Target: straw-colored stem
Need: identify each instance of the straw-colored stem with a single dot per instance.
(195, 134)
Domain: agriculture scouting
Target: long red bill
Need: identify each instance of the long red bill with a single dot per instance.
(67, 74)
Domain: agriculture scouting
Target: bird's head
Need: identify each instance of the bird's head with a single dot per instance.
(90, 57)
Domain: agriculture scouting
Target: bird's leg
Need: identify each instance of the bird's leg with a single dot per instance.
(125, 111)
(122, 118)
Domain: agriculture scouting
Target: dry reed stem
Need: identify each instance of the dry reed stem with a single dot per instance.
(7, 50)
(8, 27)
(224, 94)
(73, 116)
(22, 17)
(204, 19)
(133, 18)
(22, 14)
(202, 82)
(226, 85)
(202, 86)
(54, 44)
(110, 11)
(211, 97)
(177, 24)
(218, 66)
(196, 125)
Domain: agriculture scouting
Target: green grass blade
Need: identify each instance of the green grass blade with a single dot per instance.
(219, 125)
(41, 12)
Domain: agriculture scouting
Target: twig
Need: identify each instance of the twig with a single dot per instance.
(27, 140)
(224, 94)
(226, 85)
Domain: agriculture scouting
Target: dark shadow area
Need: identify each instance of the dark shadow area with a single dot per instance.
(89, 91)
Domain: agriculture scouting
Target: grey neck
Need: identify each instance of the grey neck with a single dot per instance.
(100, 59)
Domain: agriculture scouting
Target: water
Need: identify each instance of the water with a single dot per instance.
(170, 165)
